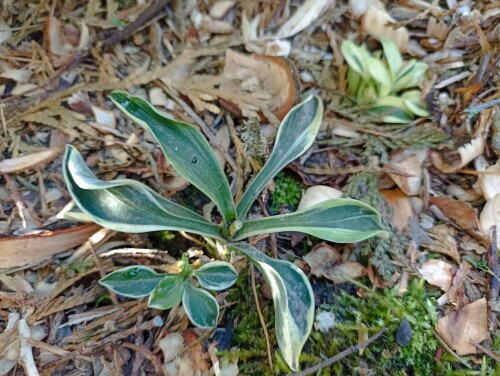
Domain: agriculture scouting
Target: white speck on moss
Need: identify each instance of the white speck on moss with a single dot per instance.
(325, 321)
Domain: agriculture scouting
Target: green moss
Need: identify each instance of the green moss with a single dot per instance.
(384, 309)
(79, 267)
(248, 334)
(363, 186)
(286, 194)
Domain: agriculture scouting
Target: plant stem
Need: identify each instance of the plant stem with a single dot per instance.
(261, 317)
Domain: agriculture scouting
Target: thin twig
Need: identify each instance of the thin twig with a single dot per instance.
(452, 353)
(328, 362)
(493, 356)
(134, 26)
(146, 353)
(495, 268)
(102, 273)
(261, 317)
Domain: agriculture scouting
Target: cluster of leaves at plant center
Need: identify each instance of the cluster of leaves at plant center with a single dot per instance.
(129, 206)
(168, 290)
(382, 85)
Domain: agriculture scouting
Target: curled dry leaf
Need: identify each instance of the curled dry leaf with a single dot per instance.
(305, 15)
(324, 262)
(378, 24)
(24, 251)
(449, 161)
(489, 182)
(409, 161)
(29, 161)
(461, 213)
(322, 258)
(467, 324)
(344, 272)
(316, 194)
(220, 8)
(444, 241)
(401, 205)
(490, 215)
(273, 76)
(437, 273)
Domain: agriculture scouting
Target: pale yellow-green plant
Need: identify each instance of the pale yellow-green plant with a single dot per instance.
(383, 84)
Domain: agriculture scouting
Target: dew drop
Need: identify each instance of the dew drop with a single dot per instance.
(194, 160)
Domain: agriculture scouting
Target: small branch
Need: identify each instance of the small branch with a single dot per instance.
(261, 318)
(339, 356)
(132, 27)
(495, 268)
(493, 356)
(452, 353)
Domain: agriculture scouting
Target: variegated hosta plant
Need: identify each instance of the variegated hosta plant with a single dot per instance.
(385, 86)
(129, 206)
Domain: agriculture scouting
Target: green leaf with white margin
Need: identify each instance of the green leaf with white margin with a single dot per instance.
(341, 220)
(293, 301)
(409, 75)
(127, 205)
(392, 110)
(356, 57)
(379, 72)
(296, 134)
(414, 104)
(200, 306)
(168, 293)
(392, 55)
(216, 275)
(185, 148)
(353, 82)
(132, 281)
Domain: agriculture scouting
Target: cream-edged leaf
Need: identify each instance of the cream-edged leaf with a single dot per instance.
(293, 301)
(127, 205)
(185, 148)
(296, 134)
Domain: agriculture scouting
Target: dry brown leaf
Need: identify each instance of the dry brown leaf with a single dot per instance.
(410, 162)
(16, 283)
(461, 213)
(30, 161)
(322, 258)
(467, 324)
(344, 272)
(437, 273)
(24, 251)
(401, 205)
(268, 77)
(378, 24)
(445, 241)
(449, 161)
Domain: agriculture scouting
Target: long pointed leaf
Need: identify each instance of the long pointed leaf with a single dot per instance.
(293, 301)
(185, 148)
(296, 134)
(127, 205)
(341, 220)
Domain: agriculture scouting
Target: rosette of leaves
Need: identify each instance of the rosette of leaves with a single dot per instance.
(383, 83)
(169, 290)
(129, 206)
